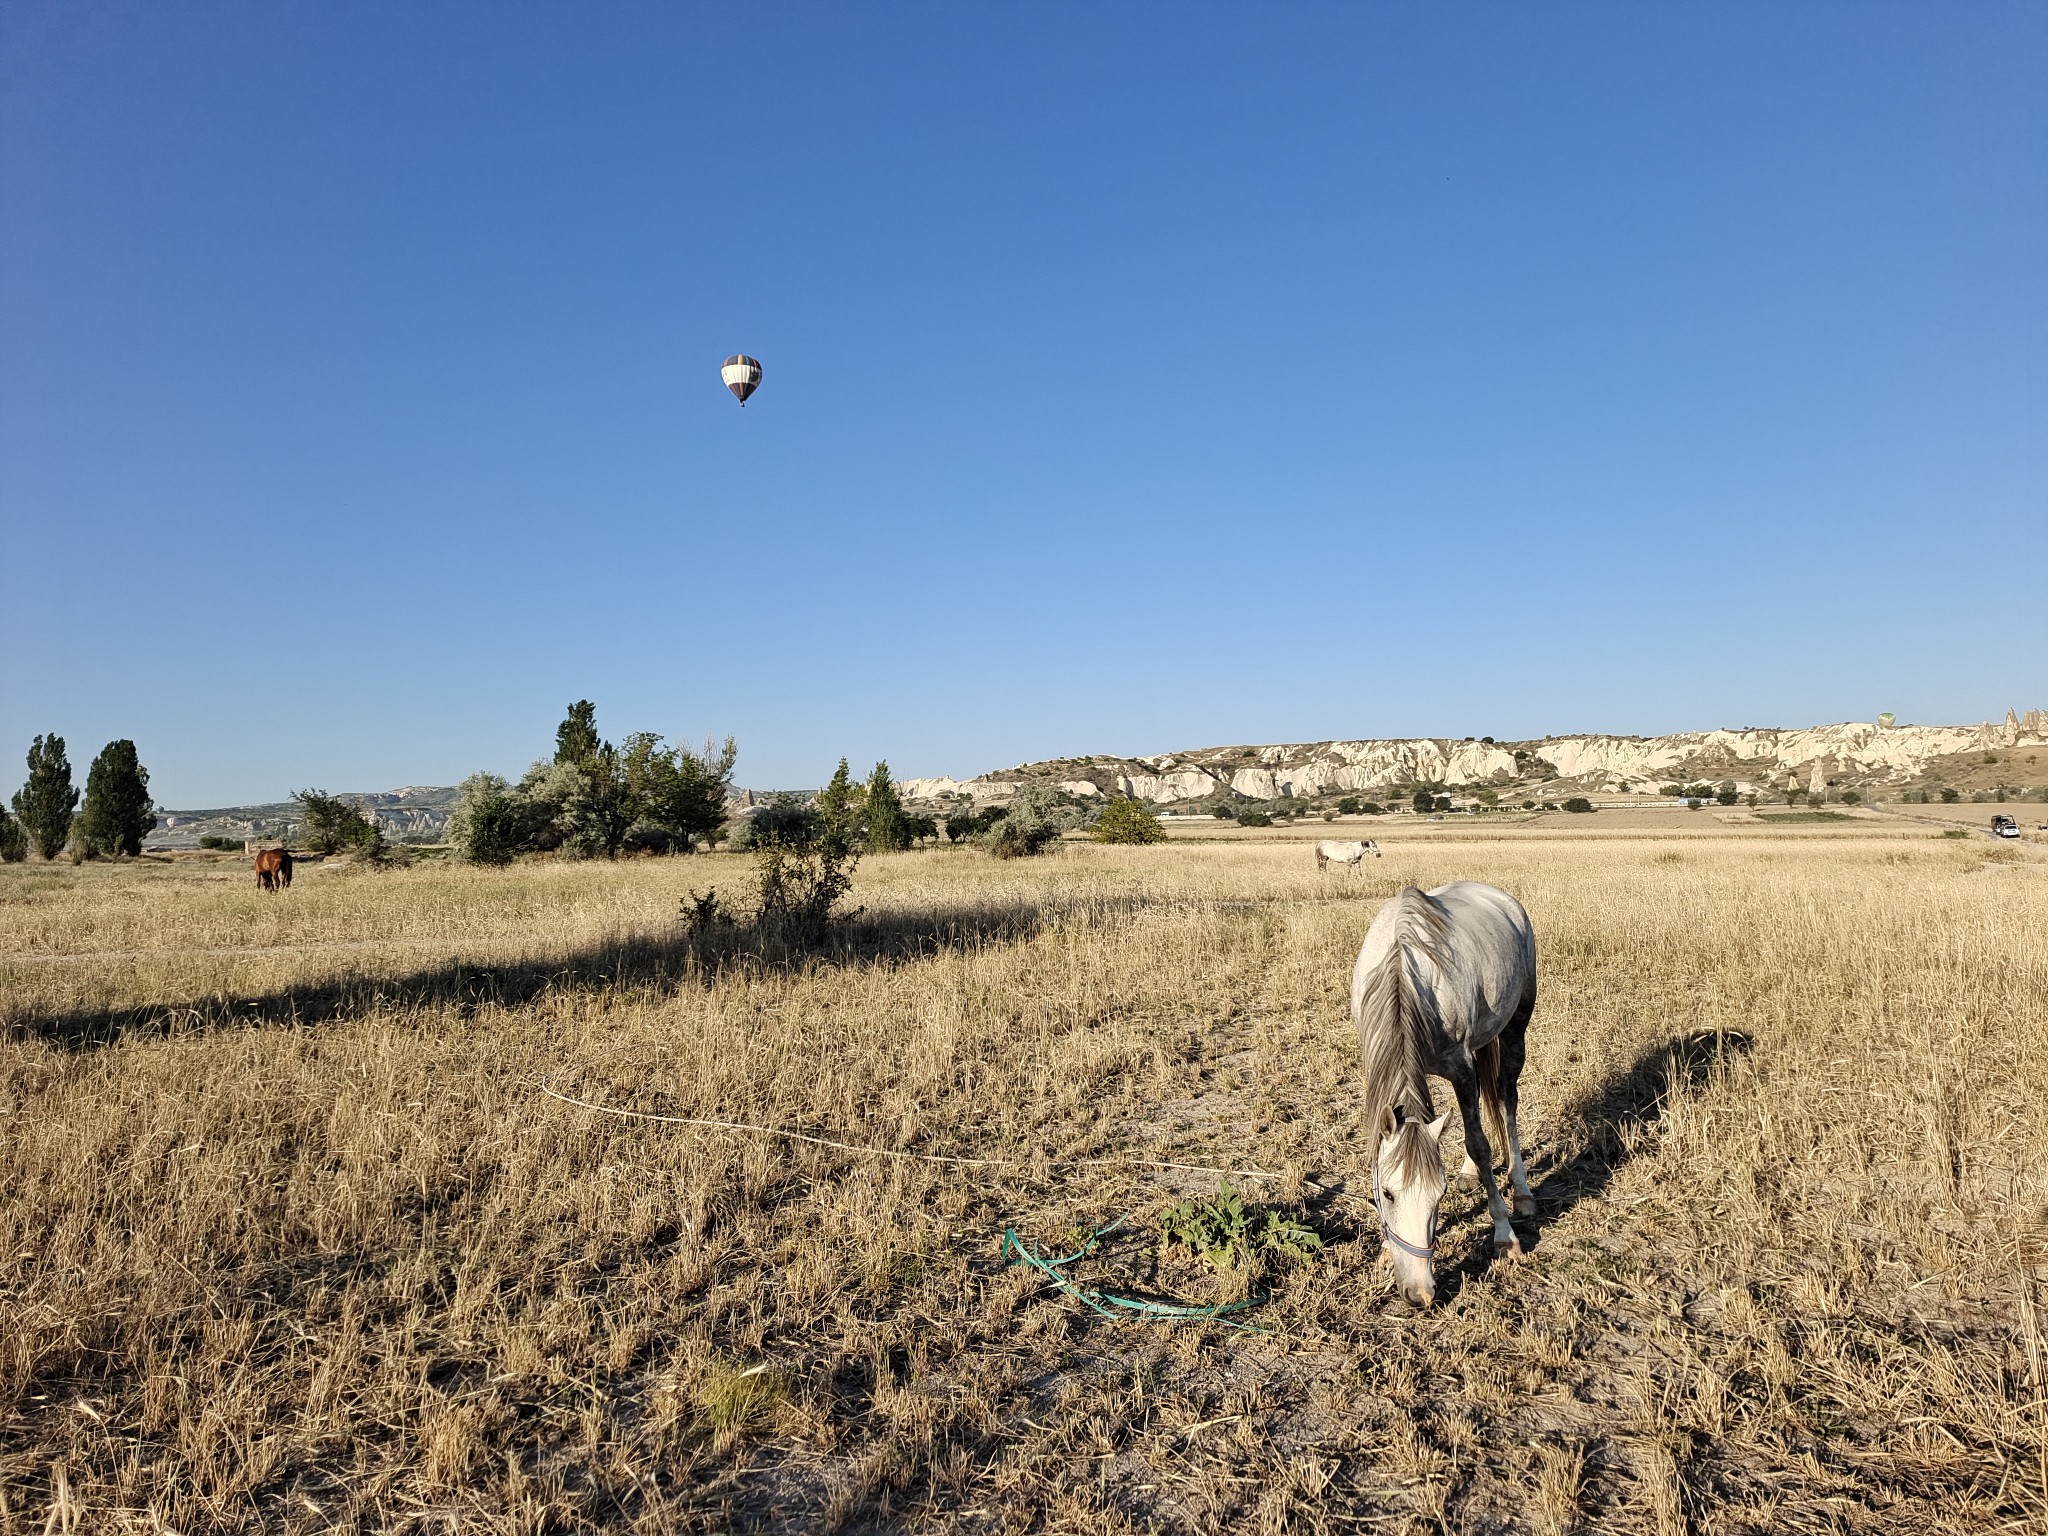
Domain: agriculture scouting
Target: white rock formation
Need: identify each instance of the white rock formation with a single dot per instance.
(1861, 751)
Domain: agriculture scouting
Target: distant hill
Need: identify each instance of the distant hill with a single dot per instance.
(1753, 759)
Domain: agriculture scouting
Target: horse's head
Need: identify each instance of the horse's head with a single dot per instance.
(1408, 1183)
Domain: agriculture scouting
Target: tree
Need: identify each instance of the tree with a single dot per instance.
(679, 791)
(1948, 797)
(576, 737)
(117, 806)
(884, 821)
(333, 825)
(1125, 820)
(47, 801)
(597, 805)
(840, 806)
(487, 825)
(1726, 795)
(1579, 805)
(1423, 801)
(1349, 806)
(13, 841)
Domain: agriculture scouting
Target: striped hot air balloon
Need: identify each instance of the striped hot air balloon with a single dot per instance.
(742, 375)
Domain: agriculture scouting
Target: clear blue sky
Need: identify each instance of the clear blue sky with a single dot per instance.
(1138, 376)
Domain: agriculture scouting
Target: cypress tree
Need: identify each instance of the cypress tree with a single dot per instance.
(117, 807)
(839, 811)
(46, 802)
(576, 736)
(13, 842)
(887, 829)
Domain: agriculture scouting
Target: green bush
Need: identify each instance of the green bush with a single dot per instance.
(1227, 1235)
(1949, 797)
(221, 844)
(1578, 805)
(1350, 805)
(1126, 820)
(1253, 818)
(13, 841)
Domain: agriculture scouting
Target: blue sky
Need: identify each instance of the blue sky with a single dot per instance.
(1137, 377)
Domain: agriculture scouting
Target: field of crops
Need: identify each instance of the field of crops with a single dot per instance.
(292, 1239)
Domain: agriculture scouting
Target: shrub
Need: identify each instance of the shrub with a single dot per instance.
(488, 824)
(1350, 805)
(1851, 797)
(221, 844)
(1126, 820)
(1226, 1235)
(1032, 822)
(1949, 797)
(1370, 809)
(804, 866)
(1727, 795)
(1224, 813)
(1579, 805)
(13, 841)
(1253, 817)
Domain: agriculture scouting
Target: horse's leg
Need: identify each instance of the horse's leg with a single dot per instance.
(1514, 1042)
(1465, 1083)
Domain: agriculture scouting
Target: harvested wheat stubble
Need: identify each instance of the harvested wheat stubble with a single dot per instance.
(288, 1241)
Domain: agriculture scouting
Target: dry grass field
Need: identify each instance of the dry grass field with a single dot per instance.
(291, 1239)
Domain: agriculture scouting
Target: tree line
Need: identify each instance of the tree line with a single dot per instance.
(46, 817)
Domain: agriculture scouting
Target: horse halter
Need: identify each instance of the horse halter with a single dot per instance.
(1427, 1252)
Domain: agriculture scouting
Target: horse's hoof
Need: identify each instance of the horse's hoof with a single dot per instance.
(1511, 1249)
(1525, 1205)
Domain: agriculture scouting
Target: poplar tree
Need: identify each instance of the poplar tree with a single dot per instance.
(117, 807)
(47, 801)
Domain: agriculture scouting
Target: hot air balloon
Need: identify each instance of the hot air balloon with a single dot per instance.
(742, 375)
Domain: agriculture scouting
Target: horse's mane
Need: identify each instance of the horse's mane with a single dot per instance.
(1397, 1020)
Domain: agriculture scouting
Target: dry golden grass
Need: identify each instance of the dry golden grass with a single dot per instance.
(290, 1240)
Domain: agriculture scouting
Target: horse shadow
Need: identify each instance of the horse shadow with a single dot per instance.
(651, 965)
(1596, 1124)
(1631, 1098)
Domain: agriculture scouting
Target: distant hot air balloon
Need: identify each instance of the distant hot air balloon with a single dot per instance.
(742, 375)
(1886, 719)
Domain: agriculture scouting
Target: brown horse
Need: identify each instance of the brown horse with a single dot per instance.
(273, 869)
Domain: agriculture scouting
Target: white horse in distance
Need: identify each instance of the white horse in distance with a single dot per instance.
(1336, 851)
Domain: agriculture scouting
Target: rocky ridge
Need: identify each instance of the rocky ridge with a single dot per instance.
(1854, 752)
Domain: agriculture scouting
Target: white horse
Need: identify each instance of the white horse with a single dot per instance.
(1444, 987)
(1335, 851)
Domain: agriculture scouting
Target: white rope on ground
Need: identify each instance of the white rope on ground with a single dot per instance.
(920, 1157)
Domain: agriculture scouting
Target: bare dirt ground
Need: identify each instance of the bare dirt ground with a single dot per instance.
(290, 1238)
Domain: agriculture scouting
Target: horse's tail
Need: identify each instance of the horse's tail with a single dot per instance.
(1488, 1063)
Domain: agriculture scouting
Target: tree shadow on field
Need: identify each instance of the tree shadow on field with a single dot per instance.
(1633, 1098)
(653, 965)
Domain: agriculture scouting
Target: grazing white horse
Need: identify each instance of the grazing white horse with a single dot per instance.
(1336, 851)
(1444, 987)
